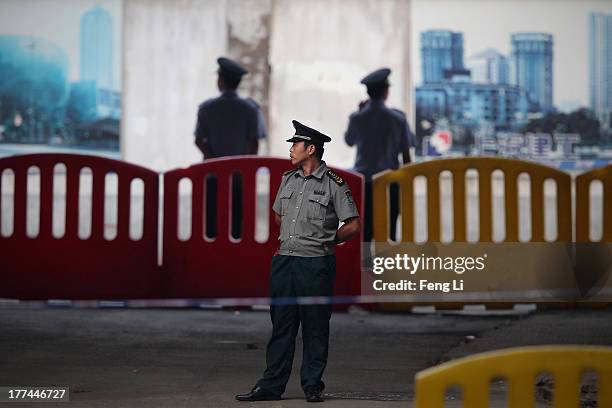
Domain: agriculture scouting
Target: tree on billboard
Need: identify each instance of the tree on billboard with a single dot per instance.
(581, 121)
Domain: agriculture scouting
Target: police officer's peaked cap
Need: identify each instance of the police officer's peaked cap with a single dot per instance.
(230, 68)
(304, 133)
(376, 78)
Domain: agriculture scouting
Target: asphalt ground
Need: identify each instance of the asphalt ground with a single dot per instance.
(202, 358)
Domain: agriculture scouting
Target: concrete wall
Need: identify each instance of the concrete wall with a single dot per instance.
(306, 59)
(170, 48)
(319, 51)
(249, 43)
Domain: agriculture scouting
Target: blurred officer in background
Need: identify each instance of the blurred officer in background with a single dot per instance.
(380, 134)
(228, 125)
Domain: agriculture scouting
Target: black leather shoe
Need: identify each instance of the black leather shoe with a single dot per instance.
(314, 394)
(258, 394)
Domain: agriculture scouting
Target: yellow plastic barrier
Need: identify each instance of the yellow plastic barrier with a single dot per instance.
(583, 201)
(589, 254)
(519, 367)
(485, 166)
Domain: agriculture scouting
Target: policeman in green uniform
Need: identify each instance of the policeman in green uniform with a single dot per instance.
(311, 202)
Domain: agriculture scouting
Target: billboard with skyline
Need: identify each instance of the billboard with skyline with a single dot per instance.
(60, 76)
(514, 79)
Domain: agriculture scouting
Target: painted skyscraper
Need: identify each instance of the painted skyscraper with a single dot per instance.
(600, 66)
(441, 50)
(489, 67)
(97, 47)
(532, 66)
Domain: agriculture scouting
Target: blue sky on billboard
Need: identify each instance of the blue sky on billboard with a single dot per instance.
(489, 24)
(59, 21)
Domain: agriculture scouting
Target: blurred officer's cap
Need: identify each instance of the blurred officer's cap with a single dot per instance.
(230, 68)
(377, 78)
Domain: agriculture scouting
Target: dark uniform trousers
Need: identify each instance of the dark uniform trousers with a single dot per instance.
(290, 277)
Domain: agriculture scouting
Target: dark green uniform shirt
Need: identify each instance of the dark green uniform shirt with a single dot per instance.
(311, 208)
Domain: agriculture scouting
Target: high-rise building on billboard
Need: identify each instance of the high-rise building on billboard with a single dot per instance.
(600, 66)
(97, 47)
(531, 66)
(441, 50)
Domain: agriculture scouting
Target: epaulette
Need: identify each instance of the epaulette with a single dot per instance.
(335, 177)
(289, 171)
